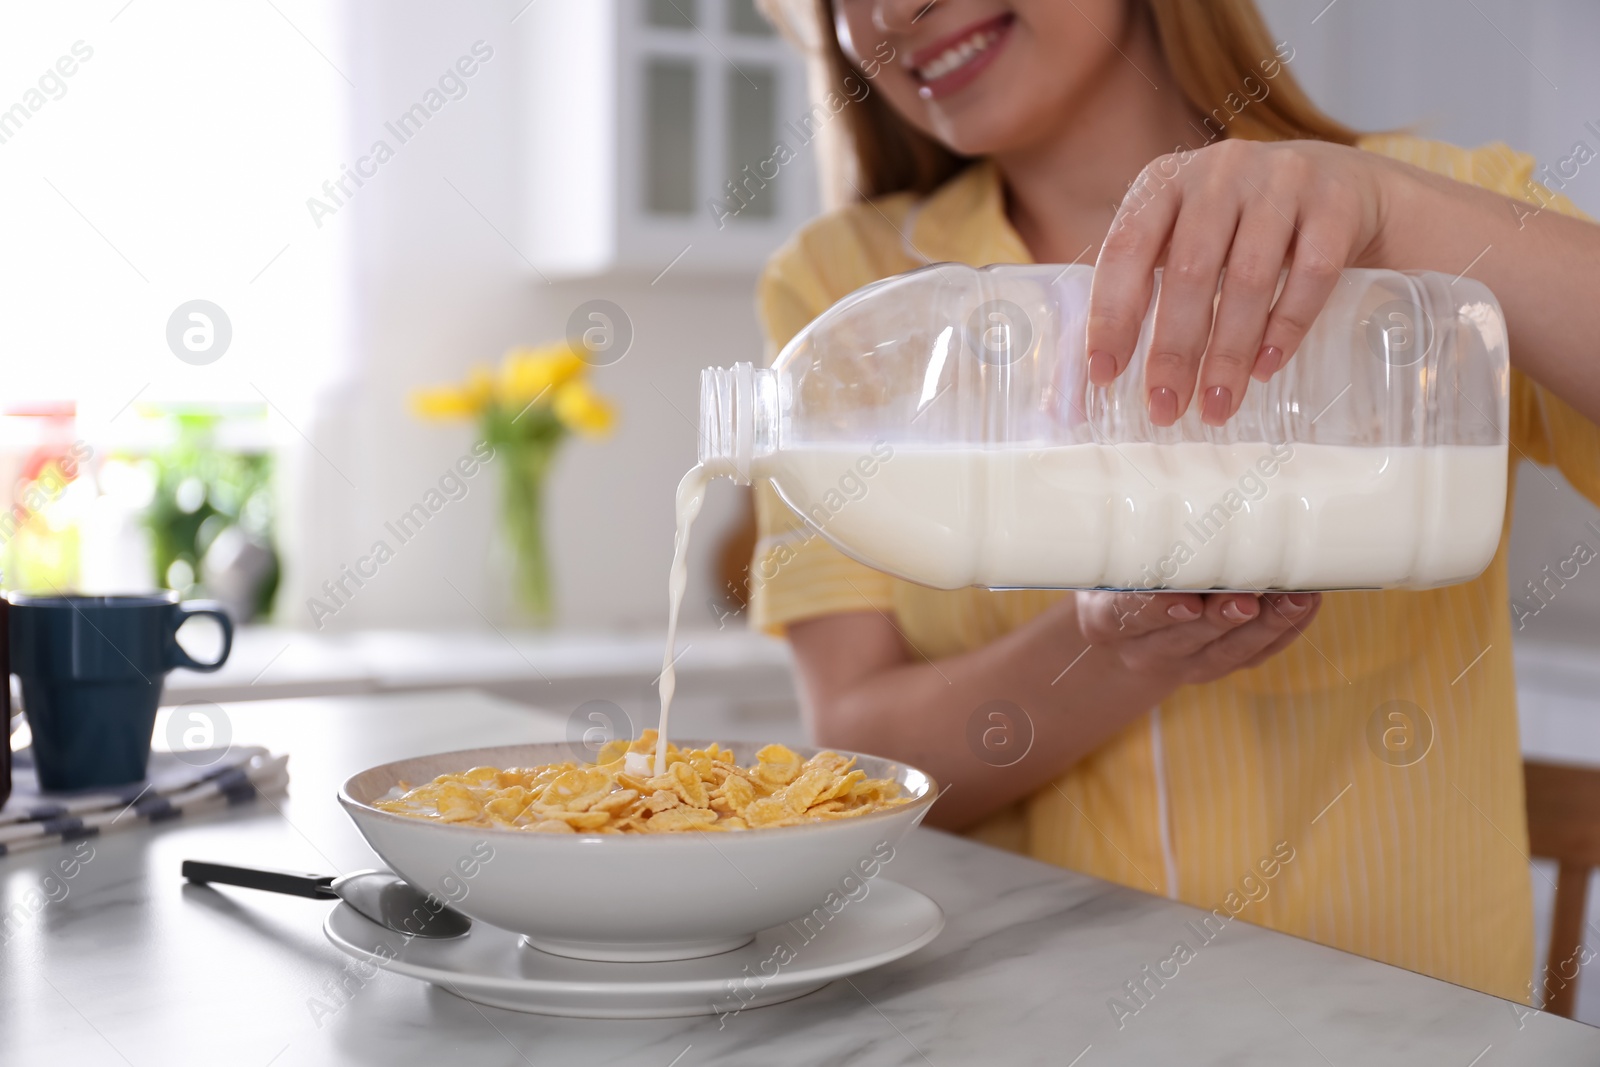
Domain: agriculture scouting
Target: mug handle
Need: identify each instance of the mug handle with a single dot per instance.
(187, 611)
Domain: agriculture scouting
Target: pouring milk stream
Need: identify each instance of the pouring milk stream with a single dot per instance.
(691, 495)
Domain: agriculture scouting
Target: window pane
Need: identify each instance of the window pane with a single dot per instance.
(752, 137)
(669, 136)
(255, 177)
(743, 18)
(673, 14)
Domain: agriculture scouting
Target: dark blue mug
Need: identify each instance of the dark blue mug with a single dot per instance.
(92, 669)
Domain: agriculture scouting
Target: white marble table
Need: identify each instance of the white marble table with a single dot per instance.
(131, 967)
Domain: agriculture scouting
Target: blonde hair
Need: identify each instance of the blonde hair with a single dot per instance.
(1214, 49)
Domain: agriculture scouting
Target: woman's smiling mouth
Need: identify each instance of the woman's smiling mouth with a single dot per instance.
(951, 64)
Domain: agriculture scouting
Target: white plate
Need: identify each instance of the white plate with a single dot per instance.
(496, 967)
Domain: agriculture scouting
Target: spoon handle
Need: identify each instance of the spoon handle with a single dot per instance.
(294, 883)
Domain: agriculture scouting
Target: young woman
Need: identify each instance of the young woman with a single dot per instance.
(1212, 748)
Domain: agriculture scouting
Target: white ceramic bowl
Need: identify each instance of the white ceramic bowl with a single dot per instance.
(629, 896)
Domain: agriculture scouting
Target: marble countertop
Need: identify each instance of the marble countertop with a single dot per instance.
(124, 964)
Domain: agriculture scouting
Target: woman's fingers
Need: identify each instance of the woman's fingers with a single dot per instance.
(1255, 263)
(1285, 639)
(1194, 637)
(1222, 613)
(1124, 273)
(1105, 618)
(1254, 208)
(1281, 619)
(1201, 238)
(1320, 252)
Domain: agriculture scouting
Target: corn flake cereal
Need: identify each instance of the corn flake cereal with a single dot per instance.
(702, 789)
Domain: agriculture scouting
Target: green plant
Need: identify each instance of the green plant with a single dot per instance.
(200, 491)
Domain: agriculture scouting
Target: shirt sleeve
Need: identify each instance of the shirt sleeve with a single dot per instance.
(795, 573)
(1544, 428)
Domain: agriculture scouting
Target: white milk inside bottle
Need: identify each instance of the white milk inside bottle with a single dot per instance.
(1245, 517)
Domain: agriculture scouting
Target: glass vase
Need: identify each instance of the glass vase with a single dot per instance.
(525, 466)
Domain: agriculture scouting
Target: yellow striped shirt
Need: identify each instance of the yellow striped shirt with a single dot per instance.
(1422, 866)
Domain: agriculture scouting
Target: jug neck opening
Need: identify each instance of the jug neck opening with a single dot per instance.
(738, 419)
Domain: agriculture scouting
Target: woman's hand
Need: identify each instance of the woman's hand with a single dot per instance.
(1253, 208)
(1185, 638)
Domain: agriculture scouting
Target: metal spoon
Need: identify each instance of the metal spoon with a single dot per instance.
(378, 895)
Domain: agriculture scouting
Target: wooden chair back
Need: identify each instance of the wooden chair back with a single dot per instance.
(1564, 825)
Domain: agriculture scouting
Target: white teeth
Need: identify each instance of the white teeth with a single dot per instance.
(958, 56)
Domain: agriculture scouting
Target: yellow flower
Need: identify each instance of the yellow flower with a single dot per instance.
(463, 401)
(584, 410)
(530, 374)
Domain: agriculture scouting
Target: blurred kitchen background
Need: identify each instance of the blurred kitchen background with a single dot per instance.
(545, 162)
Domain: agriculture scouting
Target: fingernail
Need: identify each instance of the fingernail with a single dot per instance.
(1268, 360)
(1234, 613)
(1183, 613)
(1102, 368)
(1296, 604)
(1218, 406)
(1163, 406)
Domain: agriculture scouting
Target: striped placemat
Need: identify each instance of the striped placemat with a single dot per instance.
(177, 785)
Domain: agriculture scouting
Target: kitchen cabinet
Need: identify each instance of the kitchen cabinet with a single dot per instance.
(661, 135)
